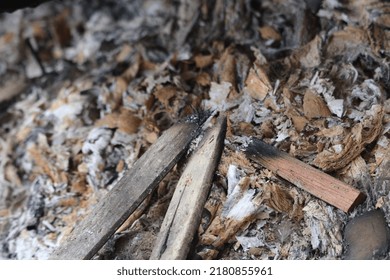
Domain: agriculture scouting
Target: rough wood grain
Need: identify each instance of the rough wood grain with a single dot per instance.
(185, 210)
(304, 176)
(140, 180)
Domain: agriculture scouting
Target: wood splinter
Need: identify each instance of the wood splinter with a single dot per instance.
(185, 210)
(139, 181)
(304, 176)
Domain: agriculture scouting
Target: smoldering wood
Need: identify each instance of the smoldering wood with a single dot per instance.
(184, 213)
(140, 180)
(304, 176)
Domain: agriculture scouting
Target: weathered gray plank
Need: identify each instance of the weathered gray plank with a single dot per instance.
(185, 210)
(139, 181)
(304, 176)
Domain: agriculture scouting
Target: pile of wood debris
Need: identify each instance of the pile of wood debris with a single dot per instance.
(86, 87)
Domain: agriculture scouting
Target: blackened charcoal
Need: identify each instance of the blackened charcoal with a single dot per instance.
(36, 206)
(199, 117)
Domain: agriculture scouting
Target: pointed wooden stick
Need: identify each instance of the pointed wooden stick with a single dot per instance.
(185, 210)
(139, 181)
(304, 176)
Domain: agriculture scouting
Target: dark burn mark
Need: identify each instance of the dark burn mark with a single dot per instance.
(257, 148)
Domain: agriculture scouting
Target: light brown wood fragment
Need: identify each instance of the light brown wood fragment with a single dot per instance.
(314, 181)
(165, 95)
(308, 56)
(354, 141)
(184, 212)
(227, 67)
(203, 79)
(348, 42)
(279, 199)
(240, 208)
(125, 121)
(10, 88)
(314, 106)
(137, 183)
(270, 33)
(202, 61)
(257, 84)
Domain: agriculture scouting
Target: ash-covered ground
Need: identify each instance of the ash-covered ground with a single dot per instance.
(87, 86)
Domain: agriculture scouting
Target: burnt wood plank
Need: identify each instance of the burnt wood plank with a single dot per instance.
(139, 181)
(184, 213)
(304, 176)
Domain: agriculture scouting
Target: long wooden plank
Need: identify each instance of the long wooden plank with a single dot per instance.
(139, 181)
(304, 176)
(185, 210)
